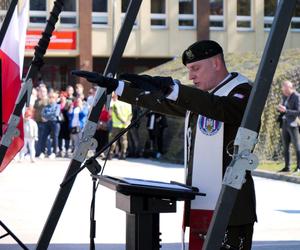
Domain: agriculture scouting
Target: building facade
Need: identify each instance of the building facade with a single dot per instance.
(87, 29)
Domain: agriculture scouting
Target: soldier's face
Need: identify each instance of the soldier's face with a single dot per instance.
(203, 73)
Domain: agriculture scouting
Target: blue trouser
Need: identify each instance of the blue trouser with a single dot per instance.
(51, 128)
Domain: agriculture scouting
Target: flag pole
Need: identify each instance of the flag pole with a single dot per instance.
(3, 30)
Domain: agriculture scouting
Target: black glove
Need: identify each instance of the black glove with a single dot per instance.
(105, 82)
(150, 83)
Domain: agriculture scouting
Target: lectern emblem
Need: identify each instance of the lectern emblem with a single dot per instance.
(209, 126)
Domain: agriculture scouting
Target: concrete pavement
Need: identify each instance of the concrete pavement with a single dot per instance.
(27, 192)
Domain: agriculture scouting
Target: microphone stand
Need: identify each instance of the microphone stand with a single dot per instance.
(94, 167)
(91, 163)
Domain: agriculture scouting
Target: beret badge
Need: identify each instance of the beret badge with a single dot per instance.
(189, 54)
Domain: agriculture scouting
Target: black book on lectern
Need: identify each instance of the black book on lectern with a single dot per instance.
(139, 187)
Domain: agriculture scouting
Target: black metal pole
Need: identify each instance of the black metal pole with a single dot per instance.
(250, 123)
(1, 114)
(123, 36)
(89, 129)
(92, 215)
(9, 232)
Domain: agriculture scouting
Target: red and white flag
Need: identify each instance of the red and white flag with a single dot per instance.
(12, 56)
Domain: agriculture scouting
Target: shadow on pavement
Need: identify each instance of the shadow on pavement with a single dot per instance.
(257, 245)
(276, 245)
(166, 246)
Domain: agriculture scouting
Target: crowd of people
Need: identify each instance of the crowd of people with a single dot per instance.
(54, 121)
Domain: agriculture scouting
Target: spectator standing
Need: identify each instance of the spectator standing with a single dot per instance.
(289, 109)
(121, 116)
(77, 115)
(79, 91)
(40, 103)
(64, 133)
(30, 135)
(70, 93)
(134, 145)
(33, 97)
(90, 98)
(156, 125)
(104, 127)
(51, 114)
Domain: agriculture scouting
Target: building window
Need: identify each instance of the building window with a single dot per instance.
(295, 24)
(124, 7)
(37, 12)
(244, 19)
(158, 14)
(187, 17)
(269, 13)
(99, 14)
(216, 17)
(4, 5)
(68, 16)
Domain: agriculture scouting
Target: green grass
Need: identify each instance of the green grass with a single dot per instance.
(275, 166)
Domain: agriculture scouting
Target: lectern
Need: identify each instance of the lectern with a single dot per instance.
(143, 201)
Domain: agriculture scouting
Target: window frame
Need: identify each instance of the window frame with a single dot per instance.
(295, 19)
(96, 15)
(269, 19)
(159, 16)
(66, 14)
(217, 18)
(188, 17)
(38, 13)
(136, 22)
(246, 19)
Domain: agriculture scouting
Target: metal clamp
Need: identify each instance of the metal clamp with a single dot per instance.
(12, 131)
(26, 88)
(243, 160)
(87, 142)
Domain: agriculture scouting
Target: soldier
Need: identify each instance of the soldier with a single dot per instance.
(213, 109)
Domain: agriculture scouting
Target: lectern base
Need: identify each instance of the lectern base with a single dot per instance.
(142, 220)
(143, 201)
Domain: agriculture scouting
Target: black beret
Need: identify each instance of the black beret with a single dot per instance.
(201, 50)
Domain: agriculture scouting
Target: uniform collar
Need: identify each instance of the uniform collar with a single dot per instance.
(227, 79)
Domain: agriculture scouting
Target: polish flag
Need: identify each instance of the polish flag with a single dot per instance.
(12, 56)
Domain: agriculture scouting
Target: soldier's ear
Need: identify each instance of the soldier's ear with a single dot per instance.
(217, 62)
